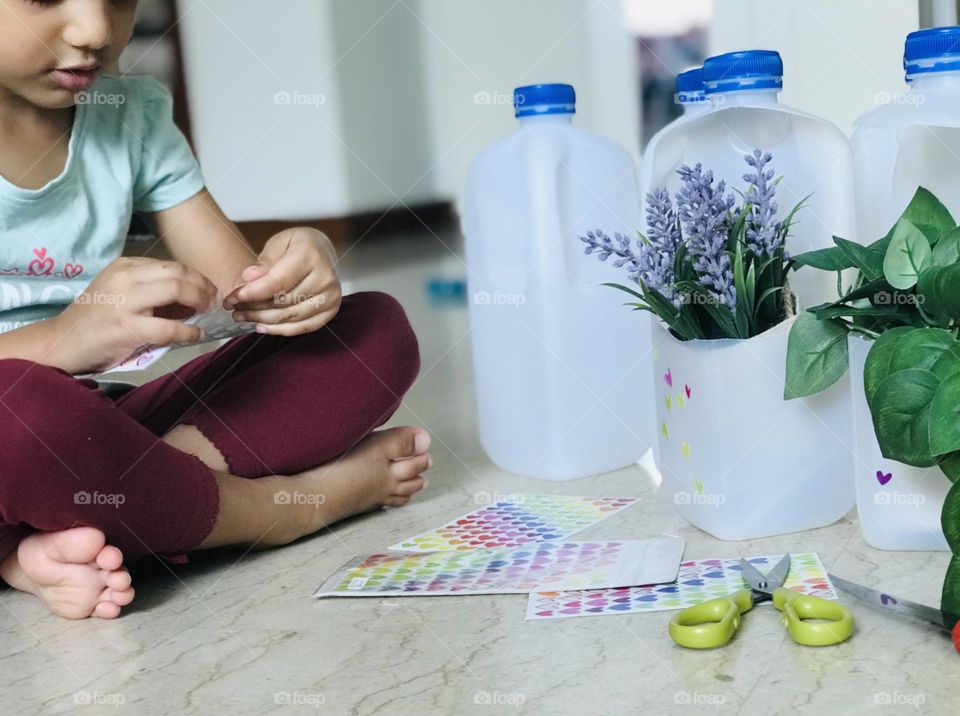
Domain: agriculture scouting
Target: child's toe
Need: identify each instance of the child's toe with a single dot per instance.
(106, 610)
(410, 487)
(120, 597)
(409, 468)
(110, 559)
(118, 580)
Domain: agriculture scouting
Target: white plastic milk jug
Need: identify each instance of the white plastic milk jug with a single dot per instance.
(694, 101)
(811, 156)
(563, 369)
(913, 138)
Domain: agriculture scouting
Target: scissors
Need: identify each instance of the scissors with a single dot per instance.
(810, 621)
(948, 622)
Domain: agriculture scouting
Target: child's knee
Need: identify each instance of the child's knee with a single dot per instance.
(39, 405)
(390, 343)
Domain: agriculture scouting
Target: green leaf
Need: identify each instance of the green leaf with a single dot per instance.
(877, 367)
(829, 312)
(901, 416)
(907, 255)
(925, 209)
(831, 259)
(816, 356)
(938, 291)
(861, 257)
(950, 466)
(870, 290)
(744, 312)
(948, 363)
(701, 296)
(921, 349)
(945, 417)
(950, 595)
(947, 250)
(629, 290)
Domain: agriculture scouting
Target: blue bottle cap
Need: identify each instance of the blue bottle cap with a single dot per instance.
(748, 69)
(936, 49)
(544, 99)
(690, 86)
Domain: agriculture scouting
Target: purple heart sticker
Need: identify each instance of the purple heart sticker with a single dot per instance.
(884, 477)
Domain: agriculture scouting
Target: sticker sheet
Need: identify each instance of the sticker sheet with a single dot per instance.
(698, 581)
(216, 325)
(537, 566)
(517, 520)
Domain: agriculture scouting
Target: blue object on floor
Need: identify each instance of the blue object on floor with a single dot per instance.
(446, 292)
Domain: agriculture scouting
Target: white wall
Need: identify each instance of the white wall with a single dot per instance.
(491, 46)
(353, 135)
(400, 120)
(838, 56)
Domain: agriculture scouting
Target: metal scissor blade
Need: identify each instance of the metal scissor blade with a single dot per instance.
(769, 582)
(891, 603)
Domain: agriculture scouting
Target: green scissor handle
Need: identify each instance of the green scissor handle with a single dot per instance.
(813, 621)
(710, 624)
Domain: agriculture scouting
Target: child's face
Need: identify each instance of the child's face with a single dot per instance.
(52, 49)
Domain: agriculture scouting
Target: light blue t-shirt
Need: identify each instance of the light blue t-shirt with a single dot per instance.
(125, 155)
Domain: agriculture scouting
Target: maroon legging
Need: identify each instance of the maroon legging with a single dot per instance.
(270, 404)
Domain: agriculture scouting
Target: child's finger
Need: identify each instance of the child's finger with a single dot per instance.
(295, 329)
(281, 277)
(285, 314)
(164, 331)
(165, 291)
(159, 270)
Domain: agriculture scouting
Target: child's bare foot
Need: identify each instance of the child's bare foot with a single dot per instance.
(383, 469)
(74, 571)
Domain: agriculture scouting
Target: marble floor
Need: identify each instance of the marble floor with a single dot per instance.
(239, 633)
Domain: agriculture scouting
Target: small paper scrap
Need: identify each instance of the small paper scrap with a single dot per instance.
(517, 520)
(698, 581)
(543, 565)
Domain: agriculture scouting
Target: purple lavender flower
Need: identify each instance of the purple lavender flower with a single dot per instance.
(600, 243)
(658, 253)
(763, 231)
(705, 215)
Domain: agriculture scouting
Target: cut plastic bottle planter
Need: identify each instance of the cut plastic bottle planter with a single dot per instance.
(737, 460)
(899, 505)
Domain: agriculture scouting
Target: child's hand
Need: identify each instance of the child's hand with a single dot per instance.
(133, 302)
(292, 289)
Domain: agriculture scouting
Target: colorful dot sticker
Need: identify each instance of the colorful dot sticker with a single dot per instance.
(556, 565)
(517, 520)
(698, 581)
